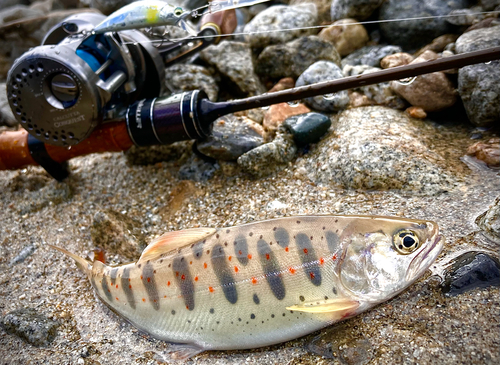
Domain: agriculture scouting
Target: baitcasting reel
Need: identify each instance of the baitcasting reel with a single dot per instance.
(60, 91)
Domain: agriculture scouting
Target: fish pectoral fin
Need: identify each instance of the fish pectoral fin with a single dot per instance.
(326, 306)
(174, 240)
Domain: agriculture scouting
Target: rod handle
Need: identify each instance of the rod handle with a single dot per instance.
(224, 22)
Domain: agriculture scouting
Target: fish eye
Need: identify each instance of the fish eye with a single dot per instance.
(178, 11)
(405, 241)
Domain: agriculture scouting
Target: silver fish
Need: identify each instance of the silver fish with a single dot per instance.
(265, 282)
(142, 14)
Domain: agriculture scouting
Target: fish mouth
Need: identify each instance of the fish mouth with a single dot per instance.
(425, 258)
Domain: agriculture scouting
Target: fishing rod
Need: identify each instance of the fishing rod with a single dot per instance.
(190, 115)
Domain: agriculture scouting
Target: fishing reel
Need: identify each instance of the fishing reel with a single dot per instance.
(60, 91)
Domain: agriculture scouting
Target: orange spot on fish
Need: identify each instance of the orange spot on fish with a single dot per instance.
(129, 279)
(305, 250)
(240, 252)
(292, 270)
(190, 262)
(168, 283)
(249, 256)
(321, 260)
(176, 273)
(154, 300)
(210, 289)
(286, 249)
(143, 299)
(117, 298)
(334, 257)
(187, 307)
(236, 269)
(141, 277)
(205, 265)
(116, 286)
(229, 258)
(183, 277)
(267, 256)
(149, 279)
(164, 296)
(130, 286)
(311, 274)
(195, 278)
(254, 281)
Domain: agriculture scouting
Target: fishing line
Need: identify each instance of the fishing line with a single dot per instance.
(325, 26)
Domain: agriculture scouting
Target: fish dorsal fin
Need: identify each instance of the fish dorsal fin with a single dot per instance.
(174, 240)
(340, 306)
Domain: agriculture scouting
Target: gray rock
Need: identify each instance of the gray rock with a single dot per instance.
(293, 58)
(489, 221)
(379, 148)
(347, 35)
(268, 23)
(416, 33)
(465, 17)
(479, 85)
(234, 61)
(324, 71)
(269, 157)
(18, 12)
(357, 9)
(322, 6)
(186, 77)
(6, 116)
(489, 4)
(197, 169)
(32, 327)
(307, 128)
(370, 55)
(231, 137)
(470, 271)
(25, 253)
(117, 234)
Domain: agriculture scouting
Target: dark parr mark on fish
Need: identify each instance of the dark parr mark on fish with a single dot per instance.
(184, 281)
(271, 269)
(105, 288)
(282, 237)
(241, 249)
(127, 289)
(256, 299)
(149, 282)
(332, 240)
(309, 259)
(224, 274)
(198, 250)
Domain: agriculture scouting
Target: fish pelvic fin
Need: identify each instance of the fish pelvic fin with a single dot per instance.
(174, 240)
(83, 264)
(338, 306)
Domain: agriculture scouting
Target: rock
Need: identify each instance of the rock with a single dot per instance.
(486, 23)
(488, 152)
(396, 59)
(197, 169)
(489, 4)
(256, 114)
(116, 233)
(345, 35)
(277, 113)
(186, 77)
(357, 9)
(231, 137)
(357, 99)
(4, 4)
(283, 84)
(416, 112)
(269, 157)
(479, 85)
(438, 44)
(324, 71)
(293, 58)
(370, 55)
(432, 92)
(234, 61)
(6, 116)
(469, 271)
(414, 34)
(280, 17)
(489, 221)
(31, 326)
(465, 17)
(322, 6)
(380, 148)
(18, 12)
(21, 256)
(308, 128)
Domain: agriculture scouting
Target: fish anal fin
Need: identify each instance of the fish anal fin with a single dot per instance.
(179, 351)
(340, 306)
(174, 240)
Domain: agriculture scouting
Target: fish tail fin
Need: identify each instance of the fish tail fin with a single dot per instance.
(83, 264)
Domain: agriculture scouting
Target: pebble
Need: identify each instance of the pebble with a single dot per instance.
(416, 33)
(186, 77)
(431, 92)
(438, 44)
(396, 59)
(489, 4)
(277, 113)
(357, 9)
(117, 234)
(322, 6)
(347, 35)
(489, 221)
(324, 71)
(31, 326)
(479, 85)
(308, 128)
(416, 112)
(488, 152)
(370, 55)
(283, 84)
(384, 149)
(470, 271)
(270, 157)
(6, 116)
(231, 137)
(465, 17)
(234, 61)
(268, 23)
(25, 253)
(293, 58)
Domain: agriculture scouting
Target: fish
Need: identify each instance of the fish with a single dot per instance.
(264, 282)
(143, 14)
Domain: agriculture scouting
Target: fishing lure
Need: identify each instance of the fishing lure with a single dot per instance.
(266, 282)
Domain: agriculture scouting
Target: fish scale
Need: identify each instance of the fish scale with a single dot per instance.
(260, 283)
